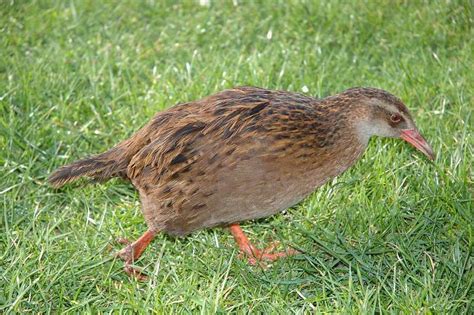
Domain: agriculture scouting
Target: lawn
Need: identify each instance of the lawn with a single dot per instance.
(393, 234)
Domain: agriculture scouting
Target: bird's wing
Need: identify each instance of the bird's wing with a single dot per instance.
(198, 129)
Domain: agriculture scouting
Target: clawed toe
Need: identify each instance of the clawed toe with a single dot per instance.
(270, 248)
(254, 255)
(260, 257)
(126, 254)
(123, 241)
(137, 274)
(132, 251)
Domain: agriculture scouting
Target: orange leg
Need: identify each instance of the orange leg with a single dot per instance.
(133, 251)
(253, 254)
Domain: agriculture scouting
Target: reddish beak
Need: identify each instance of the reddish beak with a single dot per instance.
(413, 137)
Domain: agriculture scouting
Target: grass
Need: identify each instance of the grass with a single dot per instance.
(393, 234)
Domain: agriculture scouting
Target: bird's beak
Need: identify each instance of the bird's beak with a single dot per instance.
(413, 137)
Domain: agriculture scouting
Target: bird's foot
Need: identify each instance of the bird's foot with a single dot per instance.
(134, 272)
(258, 257)
(132, 251)
(127, 255)
(254, 255)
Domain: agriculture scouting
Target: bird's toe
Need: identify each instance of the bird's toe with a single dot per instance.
(126, 254)
(135, 273)
(123, 241)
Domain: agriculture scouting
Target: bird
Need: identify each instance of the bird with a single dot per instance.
(242, 154)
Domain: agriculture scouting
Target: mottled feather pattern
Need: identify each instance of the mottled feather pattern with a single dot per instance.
(226, 117)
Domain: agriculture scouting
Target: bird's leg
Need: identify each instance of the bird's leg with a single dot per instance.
(254, 255)
(133, 251)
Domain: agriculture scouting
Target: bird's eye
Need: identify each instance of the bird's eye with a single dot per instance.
(395, 118)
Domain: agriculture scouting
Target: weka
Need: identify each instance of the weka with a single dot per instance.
(242, 154)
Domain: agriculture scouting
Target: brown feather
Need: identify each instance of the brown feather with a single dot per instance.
(240, 154)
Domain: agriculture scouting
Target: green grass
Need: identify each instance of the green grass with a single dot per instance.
(395, 233)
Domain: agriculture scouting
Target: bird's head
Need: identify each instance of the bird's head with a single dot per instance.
(383, 114)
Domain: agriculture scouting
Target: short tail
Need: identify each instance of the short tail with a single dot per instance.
(100, 168)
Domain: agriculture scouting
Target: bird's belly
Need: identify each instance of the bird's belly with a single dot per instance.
(247, 193)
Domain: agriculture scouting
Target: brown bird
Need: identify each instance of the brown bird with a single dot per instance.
(242, 154)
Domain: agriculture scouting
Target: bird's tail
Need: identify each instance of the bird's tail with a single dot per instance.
(101, 167)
